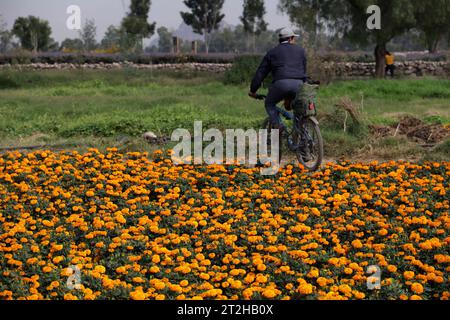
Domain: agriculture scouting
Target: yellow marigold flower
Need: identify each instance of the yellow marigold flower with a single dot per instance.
(439, 279)
(90, 194)
(314, 273)
(58, 259)
(159, 285)
(357, 244)
(32, 260)
(345, 289)
(69, 296)
(154, 269)
(100, 269)
(47, 269)
(35, 249)
(417, 288)
(261, 267)
(392, 268)
(234, 272)
(348, 270)
(269, 293)
(138, 280)
(408, 275)
(322, 281)
(184, 283)
(261, 278)
(57, 247)
(138, 295)
(121, 270)
(305, 289)
(359, 295)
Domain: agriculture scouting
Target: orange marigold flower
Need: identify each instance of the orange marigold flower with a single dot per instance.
(408, 275)
(417, 288)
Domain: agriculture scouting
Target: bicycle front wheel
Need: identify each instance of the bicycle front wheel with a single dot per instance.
(268, 126)
(309, 140)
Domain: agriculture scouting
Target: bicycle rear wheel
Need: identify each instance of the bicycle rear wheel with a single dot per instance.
(309, 140)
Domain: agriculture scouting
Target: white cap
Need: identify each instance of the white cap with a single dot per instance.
(287, 33)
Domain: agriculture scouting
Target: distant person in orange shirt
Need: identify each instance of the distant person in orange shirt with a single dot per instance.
(390, 64)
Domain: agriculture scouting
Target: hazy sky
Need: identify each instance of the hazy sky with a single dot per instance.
(107, 12)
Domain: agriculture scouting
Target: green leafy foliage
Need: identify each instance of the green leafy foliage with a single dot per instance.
(243, 69)
(34, 33)
(204, 16)
(136, 25)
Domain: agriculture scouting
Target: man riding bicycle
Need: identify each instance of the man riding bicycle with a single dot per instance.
(287, 62)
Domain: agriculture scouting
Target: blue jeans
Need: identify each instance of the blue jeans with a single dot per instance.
(278, 91)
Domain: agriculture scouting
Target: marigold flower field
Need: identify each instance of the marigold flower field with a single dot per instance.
(146, 229)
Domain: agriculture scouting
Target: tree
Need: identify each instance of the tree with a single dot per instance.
(312, 17)
(136, 24)
(253, 18)
(5, 37)
(117, 37)
(204, 17)
(88, 34)
(349, 17)
(72, 45)
(433, 19)
(34, 33)
(165, 40)
(112, 37)
(223, 41)
(53, 45)
(397, 17)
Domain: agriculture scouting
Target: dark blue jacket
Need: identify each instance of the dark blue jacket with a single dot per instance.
(286, 61)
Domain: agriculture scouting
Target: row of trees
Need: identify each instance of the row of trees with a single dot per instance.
(34, 35)
(319, 21)
(225, 40)
(129, 36)
(347, 18)
(204, 16)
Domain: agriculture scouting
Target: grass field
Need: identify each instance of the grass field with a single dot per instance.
(99, 108)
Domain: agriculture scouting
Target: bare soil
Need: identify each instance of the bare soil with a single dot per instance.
(414, 129)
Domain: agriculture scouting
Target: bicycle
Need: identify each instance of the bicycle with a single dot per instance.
(304, 138)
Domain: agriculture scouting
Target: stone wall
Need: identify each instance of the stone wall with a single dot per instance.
(210, 67)
(407, 68)
(337, 70)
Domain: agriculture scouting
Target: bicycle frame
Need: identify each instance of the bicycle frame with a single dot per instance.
(290, 116)
(299, 140)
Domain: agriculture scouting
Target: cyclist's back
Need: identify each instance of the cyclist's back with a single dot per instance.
(288, 64)
(285, 61)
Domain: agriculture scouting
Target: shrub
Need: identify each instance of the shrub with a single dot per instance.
(20, 56)
(243, 69)
(25, 57)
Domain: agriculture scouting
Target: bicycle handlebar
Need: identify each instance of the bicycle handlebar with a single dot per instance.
(259, 97)
(312, 82)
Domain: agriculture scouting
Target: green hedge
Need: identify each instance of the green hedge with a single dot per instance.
(243, 69)
(24, 57)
